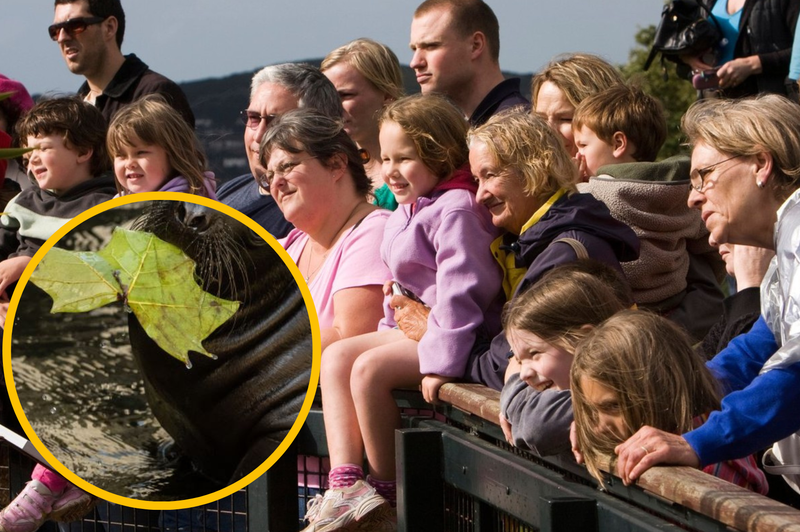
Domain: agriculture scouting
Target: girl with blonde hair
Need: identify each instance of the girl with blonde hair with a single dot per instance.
(543, 326)
(367, 77)
(436, 245)
(638, 369)
(154, 149)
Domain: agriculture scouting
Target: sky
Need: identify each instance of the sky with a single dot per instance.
(187, 40)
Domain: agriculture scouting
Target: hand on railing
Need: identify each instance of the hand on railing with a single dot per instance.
(649, 447)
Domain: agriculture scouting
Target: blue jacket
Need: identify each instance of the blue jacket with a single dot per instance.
(761, 369)
(758, 410)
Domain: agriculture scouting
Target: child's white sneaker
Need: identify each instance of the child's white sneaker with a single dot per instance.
(345, 508)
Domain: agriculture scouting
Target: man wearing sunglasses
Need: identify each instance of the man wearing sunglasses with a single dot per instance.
(89, 34)
(275, 90)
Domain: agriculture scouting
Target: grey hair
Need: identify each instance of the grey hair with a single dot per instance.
(321, 136)
(312, 89)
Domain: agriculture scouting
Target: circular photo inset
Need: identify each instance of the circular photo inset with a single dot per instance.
(181, 356)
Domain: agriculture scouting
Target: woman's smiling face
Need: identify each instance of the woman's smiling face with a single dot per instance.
(501, 190)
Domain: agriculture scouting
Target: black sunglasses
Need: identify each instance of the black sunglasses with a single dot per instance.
(73, 26)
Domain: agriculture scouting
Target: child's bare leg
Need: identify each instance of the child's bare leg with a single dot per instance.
(341, 424)
(375, 374)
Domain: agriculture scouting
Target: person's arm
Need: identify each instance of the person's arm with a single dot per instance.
(468, 281)
(750, 420)
(539, 420)
(761, 409)
(356, 311)
(773, 62)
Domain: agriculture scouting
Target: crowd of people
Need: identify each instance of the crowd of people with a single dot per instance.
(540, 248)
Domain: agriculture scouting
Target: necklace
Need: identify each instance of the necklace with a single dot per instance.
(309, 273)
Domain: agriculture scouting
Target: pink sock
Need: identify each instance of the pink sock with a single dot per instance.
(385, 488)
(344, 476)
(54, 482)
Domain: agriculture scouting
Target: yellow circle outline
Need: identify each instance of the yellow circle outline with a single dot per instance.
(138, 503)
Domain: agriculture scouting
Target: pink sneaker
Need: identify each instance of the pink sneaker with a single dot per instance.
(72, 504)
(28, 510)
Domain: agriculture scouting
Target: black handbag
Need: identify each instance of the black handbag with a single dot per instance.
(686, 27)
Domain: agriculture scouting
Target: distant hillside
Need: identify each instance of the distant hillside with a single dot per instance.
(216, 103)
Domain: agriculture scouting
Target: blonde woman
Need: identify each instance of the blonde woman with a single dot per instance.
(745, 178)
(367, 76)
(564, 83)
(527, 183)
(638, 369)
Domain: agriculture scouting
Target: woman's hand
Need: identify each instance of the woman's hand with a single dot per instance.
(649, 447)
(411, 316)
(430, 387)
(734, 72)
(506, 426)
(750, 265)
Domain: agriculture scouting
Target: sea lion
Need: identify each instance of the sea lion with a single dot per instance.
(228, 415)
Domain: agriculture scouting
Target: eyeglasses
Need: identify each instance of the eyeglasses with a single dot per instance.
(252, 119)
(282, 171)
(73, 26)
(698, 177)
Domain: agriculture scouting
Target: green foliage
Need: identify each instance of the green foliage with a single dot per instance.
(675, 93)
(155, 279)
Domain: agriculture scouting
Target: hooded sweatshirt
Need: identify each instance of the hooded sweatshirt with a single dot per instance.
(438, 249)
(35, 215)
(651, 198)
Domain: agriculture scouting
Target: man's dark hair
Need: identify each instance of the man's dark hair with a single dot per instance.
(105, 9)
(469, 16)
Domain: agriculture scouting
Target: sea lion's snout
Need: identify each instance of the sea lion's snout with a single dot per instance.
(195, 217)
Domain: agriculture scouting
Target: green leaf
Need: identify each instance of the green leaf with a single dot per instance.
(154, 278)
(6, 95)
(13, 153)
(77, 281)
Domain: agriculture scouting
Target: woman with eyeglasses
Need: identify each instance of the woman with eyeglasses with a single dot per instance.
(745, 180)
(315, 173)
(367, 76)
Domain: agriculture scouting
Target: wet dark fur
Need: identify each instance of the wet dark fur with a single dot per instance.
(229, 414)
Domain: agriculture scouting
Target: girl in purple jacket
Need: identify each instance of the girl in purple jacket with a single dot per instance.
(154, 149)
(436, 245)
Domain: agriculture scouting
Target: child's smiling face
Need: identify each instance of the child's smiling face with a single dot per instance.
(141, 167)
(402, 168)
(543, 366)
(54, 164)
